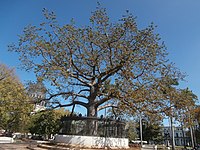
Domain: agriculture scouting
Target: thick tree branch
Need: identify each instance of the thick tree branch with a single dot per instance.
(106, 106)
(76, 76)
(2, 78)
(58, 104)
(64, 93)
(109, 73)
(105, 99)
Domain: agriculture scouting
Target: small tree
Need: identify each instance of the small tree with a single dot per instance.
(152, 132)
(47, 123)
(131, 131)
(151, 127)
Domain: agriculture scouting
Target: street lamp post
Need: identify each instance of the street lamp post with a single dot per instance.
(141, 140)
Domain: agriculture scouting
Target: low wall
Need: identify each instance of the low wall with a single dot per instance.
(6, 140)
(92, 141)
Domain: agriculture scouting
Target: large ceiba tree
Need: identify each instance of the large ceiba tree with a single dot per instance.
(96, 66)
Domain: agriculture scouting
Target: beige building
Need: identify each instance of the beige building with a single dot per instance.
(37, 92)
(180, 136)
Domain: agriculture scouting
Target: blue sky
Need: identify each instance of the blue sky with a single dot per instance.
(178, 24)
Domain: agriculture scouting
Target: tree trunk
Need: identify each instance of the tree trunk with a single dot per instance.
(192, 137)
(183, 136)
(91, 122)
(172, 134)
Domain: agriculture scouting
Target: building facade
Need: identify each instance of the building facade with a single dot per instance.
(180, 136)
(37, 93)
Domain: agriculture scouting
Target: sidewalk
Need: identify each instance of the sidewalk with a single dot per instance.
(149, 147)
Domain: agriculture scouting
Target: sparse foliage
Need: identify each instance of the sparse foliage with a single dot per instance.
(103, 63)
(185, 107)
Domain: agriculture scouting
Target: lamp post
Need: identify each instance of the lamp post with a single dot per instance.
(141, 140)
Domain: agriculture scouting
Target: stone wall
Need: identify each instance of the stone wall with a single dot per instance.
(92, 141)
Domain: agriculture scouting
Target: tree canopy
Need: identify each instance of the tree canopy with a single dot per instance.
(14, 103)
(184, 108)
(100, 65)
(47, 122)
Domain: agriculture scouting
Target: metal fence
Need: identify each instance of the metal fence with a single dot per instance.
(103, 127)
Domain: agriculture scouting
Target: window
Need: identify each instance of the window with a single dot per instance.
(176, 134)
